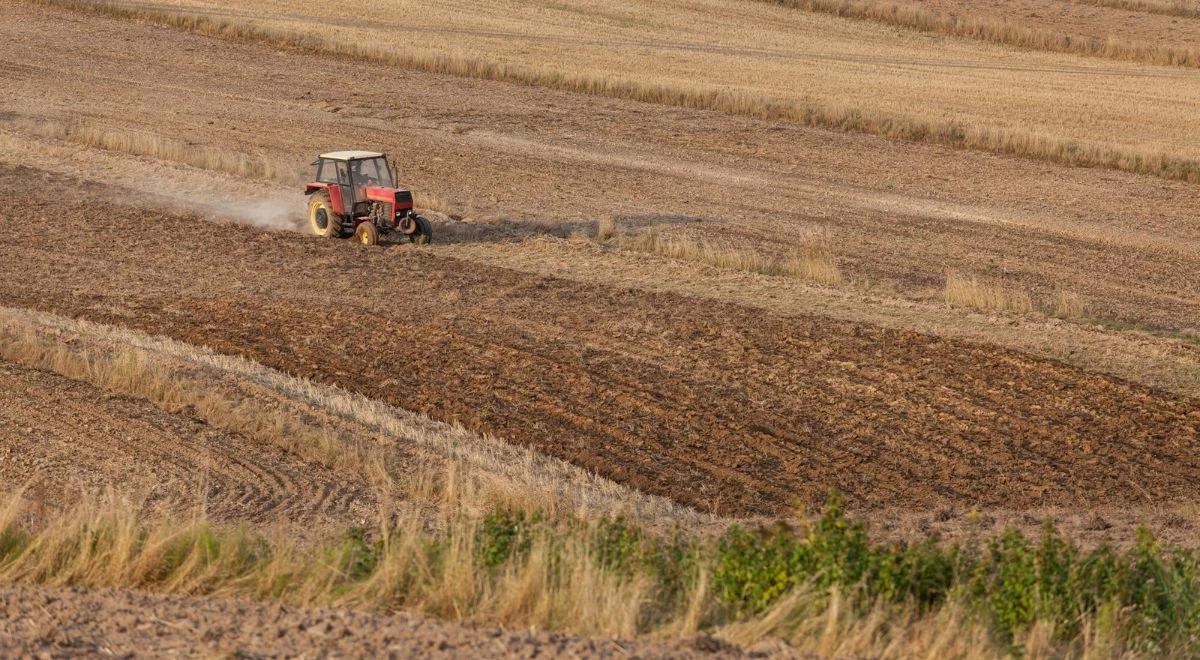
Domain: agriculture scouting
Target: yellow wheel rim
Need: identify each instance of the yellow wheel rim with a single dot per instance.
(316, 211)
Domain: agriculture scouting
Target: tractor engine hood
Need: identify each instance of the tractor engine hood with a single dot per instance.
(401, 197)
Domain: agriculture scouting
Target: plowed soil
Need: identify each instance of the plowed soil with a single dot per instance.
(72, 623)
(63, 440)
(731, 409)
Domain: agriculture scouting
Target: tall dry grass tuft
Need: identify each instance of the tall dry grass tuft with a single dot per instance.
(162, 148)
(701, 251)
(813, 262)
(830, 625)
(606, 227)
(1067, 305)
(968, 291)
(929, 129)
(1006, 33)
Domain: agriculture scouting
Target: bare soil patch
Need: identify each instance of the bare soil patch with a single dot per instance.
(37, 621)
(63, 440)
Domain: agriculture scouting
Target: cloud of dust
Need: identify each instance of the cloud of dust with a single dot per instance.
(284, 212)
(280, 211)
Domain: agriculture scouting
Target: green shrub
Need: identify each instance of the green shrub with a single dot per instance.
(1152, 595)
(503, 535)
(358, 556)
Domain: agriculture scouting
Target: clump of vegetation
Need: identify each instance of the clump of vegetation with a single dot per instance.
(813, 262)
(606, 228)
(1067, 305)
(612, 577)
(967, 291)
(1145, 599)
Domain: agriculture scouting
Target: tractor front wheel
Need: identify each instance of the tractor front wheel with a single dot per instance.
(367, 234)
(321, 218)
(424, 232)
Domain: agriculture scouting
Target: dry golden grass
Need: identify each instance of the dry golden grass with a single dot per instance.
(1002, 105)
(701, 251)
(832, 628)
(111, 542)
(812, 262)
(968, 291)
(606, 228)
(163, 148)
(1068, 305)
(1007, 33)
(558, 583)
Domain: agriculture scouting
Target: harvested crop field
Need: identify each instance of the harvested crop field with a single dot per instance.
(711, 282)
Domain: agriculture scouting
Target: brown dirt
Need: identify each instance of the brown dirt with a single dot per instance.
(728, 408)
(62, 440)
(60, 623)
(895, 212)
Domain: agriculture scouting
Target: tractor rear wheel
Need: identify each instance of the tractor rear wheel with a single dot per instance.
(367, 234)
(424, 233)
(321, 218)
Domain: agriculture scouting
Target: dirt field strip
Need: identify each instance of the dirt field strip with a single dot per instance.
(1160, 363)
(62, 440)
(72, 622)
(410, 446)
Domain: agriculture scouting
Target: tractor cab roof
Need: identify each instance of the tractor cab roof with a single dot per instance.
(350, 155)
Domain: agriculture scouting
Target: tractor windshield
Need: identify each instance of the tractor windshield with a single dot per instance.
(370, 172)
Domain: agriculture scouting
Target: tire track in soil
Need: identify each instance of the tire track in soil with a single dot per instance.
(66, 438)
(729, 409)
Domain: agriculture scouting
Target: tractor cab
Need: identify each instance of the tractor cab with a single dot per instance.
(354, 193)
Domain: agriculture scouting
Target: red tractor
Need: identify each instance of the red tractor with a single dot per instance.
(355, 194)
